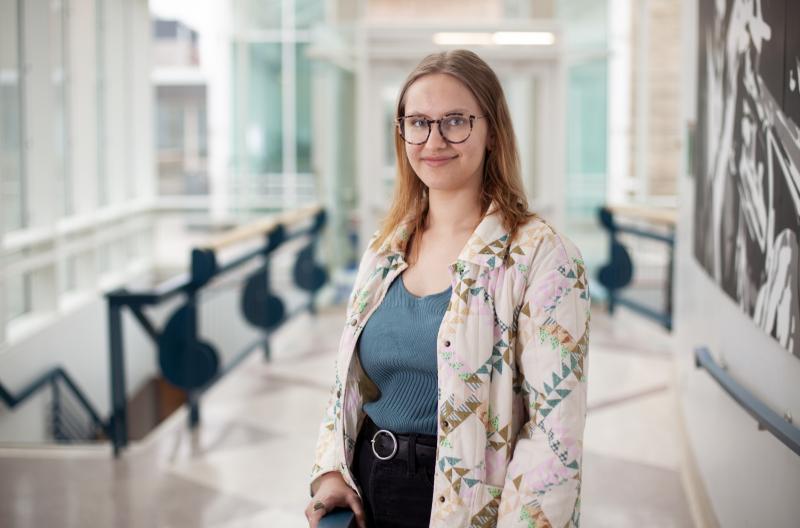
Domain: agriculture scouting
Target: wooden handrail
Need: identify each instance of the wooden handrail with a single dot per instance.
(664, 216)
(261, 227)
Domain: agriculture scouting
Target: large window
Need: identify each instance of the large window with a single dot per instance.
(58, 75)
(587, 146)
(73, 93)
(12, 195)
(272, 103)
(181, 140)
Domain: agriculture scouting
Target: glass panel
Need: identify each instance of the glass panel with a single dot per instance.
(257, 14)
(389, 94)
(169, 141)
(587, 130)
(102, 183)
(104, 258)
(303, 105)
(58, 86)
(586, 158)
(308, 13)
(11, 188)
(18, 298)
(70, 277)
(258, 108)
(585, 23)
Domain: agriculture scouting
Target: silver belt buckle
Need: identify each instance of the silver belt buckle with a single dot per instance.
(394, 450)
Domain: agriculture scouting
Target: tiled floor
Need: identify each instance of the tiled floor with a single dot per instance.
(247, 464)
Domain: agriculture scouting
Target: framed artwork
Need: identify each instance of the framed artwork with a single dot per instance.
(747, 177)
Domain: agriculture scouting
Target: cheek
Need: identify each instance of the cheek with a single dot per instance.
(412, 153)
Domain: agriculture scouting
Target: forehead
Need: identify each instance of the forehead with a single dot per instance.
(438, 93)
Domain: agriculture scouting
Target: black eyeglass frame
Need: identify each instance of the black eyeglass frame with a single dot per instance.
(399, 120)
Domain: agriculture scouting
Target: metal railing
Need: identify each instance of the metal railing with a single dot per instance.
(63, 428)
(617, 273)
(339, 518)
(186, 360)
(780, 426)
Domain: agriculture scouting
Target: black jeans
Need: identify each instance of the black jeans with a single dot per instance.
(397, 493)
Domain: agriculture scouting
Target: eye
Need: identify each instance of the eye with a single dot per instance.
(418, 122)
(455, 121)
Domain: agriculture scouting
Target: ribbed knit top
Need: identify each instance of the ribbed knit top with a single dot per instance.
(398, 352)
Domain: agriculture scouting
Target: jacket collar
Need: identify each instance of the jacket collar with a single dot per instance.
(487, 246)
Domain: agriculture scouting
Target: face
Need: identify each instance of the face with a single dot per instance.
(441, 165)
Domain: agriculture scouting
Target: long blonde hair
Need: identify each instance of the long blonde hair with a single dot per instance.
(501, 170)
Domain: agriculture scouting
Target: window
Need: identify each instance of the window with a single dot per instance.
(272, 103)
(18, 296)
(58, 77)
(12, 195)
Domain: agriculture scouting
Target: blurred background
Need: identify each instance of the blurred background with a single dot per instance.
(195, 181)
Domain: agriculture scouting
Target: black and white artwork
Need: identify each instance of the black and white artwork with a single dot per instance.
(747, 196)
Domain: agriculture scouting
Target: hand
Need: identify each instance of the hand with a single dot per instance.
(332, 491)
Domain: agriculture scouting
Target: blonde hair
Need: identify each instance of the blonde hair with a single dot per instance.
(501, 170)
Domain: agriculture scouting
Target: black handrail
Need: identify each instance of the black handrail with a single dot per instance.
(617, 273)
(338, 518)
(49, 378)
(186, 360)
(767, 419)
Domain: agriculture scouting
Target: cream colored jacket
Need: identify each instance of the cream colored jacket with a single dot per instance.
(512, 364)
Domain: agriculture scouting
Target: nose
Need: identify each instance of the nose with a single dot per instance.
(435, 140)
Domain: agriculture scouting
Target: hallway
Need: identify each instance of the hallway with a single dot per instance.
(247, 464)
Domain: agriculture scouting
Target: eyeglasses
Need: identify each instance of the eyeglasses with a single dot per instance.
(454, 128)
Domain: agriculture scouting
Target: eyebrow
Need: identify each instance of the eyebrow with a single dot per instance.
(450, 112)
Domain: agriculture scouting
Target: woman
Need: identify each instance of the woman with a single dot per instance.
(460, 392)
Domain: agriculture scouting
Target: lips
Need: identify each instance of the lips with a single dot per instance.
(435, 161)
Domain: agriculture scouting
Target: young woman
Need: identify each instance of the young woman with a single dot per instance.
(460, 392)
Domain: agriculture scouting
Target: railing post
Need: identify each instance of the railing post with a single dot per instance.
(119, 424)
(194, 408)
(267, 346)
(612, 242)
(668, 286)
(55, 409)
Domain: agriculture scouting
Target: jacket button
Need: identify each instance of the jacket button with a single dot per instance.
(353, 321)
(447, 343)
(445, 425)
(441, 498)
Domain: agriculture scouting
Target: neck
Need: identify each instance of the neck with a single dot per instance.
(450, 214)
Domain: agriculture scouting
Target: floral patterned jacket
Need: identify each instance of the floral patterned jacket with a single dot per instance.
(512, 366)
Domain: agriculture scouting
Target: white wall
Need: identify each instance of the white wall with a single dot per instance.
(750, 477)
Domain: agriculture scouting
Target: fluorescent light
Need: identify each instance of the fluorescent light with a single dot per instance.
(499, 38)
(463, 39)
(524, 38)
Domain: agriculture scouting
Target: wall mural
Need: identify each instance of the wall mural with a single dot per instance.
(747, 210)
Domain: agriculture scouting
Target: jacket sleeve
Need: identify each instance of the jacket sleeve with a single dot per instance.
(327, 457)
(543, 479)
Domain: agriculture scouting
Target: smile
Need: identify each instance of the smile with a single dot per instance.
(437, 161)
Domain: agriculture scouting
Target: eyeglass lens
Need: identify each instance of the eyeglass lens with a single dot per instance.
(455, 129)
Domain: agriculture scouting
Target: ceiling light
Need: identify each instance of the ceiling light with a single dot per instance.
(463, 39)
(499, 38)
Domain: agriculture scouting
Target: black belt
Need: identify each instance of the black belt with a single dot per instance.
(387, 445)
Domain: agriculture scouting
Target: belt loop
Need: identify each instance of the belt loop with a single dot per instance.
(412, 454)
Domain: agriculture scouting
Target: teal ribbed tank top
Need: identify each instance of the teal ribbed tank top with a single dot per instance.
(397, 351)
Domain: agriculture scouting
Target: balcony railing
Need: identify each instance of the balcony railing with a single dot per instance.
(188, 361)
(617, 273)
